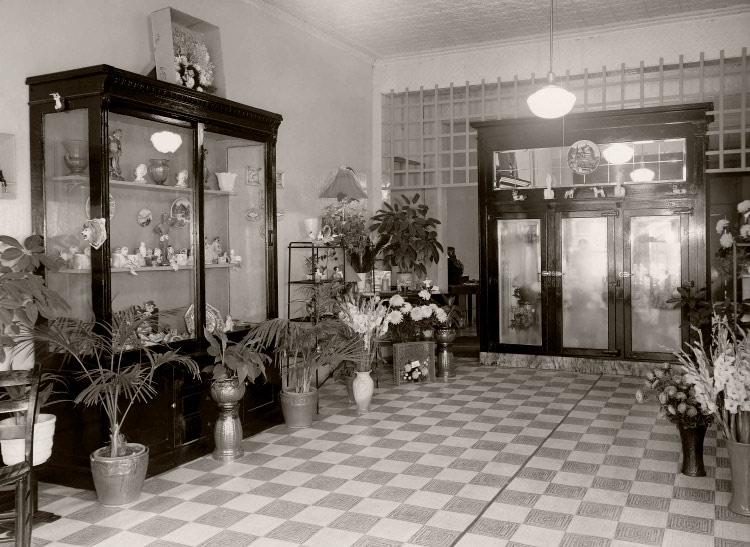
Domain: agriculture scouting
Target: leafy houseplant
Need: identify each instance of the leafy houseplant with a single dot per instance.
(348, 225)
(24, 296)
(409, 236)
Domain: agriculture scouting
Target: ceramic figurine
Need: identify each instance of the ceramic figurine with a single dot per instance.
(598, 192)
(95, 232)
(570, 194)
(140, 172)
(162, 229)
(318, 275)
(229, 324)
(619, 190)
(182, 177)
(115, 151)
(216, 250)
(152, 313)
(517, 196)
(142, 249)
(337, 273)
(677, 190)
(156, 257)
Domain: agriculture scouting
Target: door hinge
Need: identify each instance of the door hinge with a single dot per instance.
(682, 211)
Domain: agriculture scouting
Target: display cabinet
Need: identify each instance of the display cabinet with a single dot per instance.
(162, 202)
(588, 224)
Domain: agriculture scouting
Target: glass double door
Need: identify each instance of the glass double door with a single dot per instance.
(591, 283)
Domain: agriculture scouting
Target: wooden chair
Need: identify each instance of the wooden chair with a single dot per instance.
(18, 476)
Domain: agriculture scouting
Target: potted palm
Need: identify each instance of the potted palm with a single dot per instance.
(116, 368)
(299, 351)
(408, 236)
(234, 364)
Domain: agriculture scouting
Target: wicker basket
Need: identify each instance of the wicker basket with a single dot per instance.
(407, 352)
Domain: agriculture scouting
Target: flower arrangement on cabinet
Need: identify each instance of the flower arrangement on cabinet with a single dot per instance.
(409, 321)
(523, 314)
(369, 320)
(720, 378)
(192, 62)
(414, 371)
(731, 233)
(677, 397)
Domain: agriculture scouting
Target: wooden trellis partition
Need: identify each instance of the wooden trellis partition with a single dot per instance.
(427, 141)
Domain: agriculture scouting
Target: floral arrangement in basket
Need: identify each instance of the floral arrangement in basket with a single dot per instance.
(720, 378)
(192, 62)
(731, 233)
(409, 321)
(677, 397)
(414, 371)
(368, 319)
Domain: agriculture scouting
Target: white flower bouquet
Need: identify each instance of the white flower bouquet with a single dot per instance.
(731, 233)
(415, 371)
(368, 319)
(721, 378)
(409, 321)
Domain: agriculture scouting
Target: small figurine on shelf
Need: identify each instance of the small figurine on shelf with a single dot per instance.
(140, 172)
(162, 229)
(318, 275)
(235, 258)
(182, 177)
(229, 324)
(142, 249)
(337, 273)
(115, 151)
(549, 193)
(216, 249)
(151, 312)
(156, 257)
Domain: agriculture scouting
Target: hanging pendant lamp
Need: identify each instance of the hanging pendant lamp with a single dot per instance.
(551, 101)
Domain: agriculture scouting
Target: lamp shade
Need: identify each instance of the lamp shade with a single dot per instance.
(344, 185)
(551, 101)
(618, 153)
(642, 174)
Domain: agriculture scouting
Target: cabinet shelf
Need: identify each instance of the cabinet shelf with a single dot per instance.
(146, 269)
(71, 181)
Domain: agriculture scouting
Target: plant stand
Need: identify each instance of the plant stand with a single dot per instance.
(228, 429)
(445, 338)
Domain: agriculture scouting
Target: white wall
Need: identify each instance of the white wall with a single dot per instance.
(323, 93)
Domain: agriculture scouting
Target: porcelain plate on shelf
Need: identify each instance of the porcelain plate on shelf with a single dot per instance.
(213, 319)
(180, 212)
(584, 157)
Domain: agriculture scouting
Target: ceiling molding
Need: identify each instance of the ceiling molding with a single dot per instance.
(582, 34)
(359, 53)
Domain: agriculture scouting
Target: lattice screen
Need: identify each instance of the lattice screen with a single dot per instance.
(427, 141)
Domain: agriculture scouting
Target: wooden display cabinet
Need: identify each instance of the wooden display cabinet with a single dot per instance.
(144, 155)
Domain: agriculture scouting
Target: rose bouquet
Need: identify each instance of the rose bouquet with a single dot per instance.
(678, 398)
(720, 378)
(409, 321)
(415, 371)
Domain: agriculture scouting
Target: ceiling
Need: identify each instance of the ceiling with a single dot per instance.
(381, 29)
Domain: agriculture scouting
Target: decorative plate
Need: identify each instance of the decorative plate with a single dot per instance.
(583, 157)
(253, 215)
(180, 212)
(213, 319)
(111, 207)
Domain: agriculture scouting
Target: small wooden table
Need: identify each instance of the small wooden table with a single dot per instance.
(471, 290)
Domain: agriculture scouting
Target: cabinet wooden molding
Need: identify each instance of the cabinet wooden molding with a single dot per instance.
(181, 239)
(588, 224)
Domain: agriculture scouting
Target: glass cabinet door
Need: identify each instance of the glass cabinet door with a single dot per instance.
(585, 251)
(67, 191)
(519, 274)
(235, 227)
(655, 264)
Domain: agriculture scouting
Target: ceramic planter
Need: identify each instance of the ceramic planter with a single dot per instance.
(119, 480)
(44, 431)
(299, 409)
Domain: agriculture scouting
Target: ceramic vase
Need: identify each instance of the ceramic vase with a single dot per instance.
(739, 462)
(159, 170)
(363, 387)
(692, 450)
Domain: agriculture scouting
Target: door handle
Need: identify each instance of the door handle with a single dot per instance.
(623, 274)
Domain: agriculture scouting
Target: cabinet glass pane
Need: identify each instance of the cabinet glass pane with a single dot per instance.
(655, 273)
(151, 184)
(235, 227)
(584, 283)
(519, 257)
(66, 192)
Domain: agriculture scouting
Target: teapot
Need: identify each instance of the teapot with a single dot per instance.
(226, 181)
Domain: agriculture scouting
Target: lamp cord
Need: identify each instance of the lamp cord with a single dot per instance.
(551, 27)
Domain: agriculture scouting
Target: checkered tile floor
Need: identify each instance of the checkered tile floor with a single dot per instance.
(495, 457)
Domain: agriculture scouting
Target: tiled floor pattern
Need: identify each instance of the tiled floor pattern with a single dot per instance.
(496, 457)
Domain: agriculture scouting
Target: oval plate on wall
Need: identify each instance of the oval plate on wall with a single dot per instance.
(584, 157)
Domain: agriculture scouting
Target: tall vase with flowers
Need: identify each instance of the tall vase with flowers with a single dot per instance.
(731, 233)
(680, 405)
(720, 379)
(368, 319)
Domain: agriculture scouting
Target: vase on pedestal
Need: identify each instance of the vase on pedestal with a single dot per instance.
(692, 450)
(363, 387)
(227, 393)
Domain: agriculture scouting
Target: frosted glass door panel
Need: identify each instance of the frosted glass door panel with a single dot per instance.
(584, 283)
(655, 273)
(519, 256)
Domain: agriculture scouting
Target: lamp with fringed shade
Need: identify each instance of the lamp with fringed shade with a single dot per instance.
(344, 185)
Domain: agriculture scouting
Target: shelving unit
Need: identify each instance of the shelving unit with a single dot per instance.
(313, 252)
